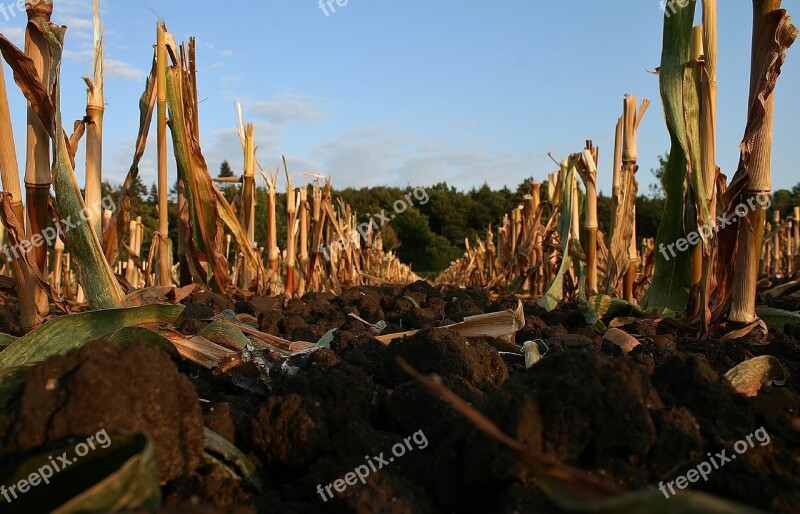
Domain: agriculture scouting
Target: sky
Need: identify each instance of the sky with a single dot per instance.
(412, 92)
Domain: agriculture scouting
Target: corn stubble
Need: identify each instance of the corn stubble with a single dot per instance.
(716, 280)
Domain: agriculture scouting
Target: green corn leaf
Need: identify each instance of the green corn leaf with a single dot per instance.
(119, 478)
(95, 275)
(777, 318)
(672, 279)
(66, 333)
(555, 293)
(127, 335)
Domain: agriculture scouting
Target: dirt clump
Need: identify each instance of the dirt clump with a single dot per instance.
(105, 387)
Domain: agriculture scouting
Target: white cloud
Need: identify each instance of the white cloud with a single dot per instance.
(116, 69)
(285, 109)
(14, 34)
(374, 156)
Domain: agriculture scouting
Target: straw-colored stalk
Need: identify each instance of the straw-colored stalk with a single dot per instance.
(95, 108)
(138, 251)
(130, 271)
(538, 252)
(291, 240)
(303, 257)
(632, 120)
(164, 257)
(708, 109)
(248, 208)
(58, 261)
(68, 279)
(796, 253)
(759, 185)
(708, 150)
(316, 242)
(618, 253)
(9, 172)
(588, 173)
(698, 251)
(616, 170)
(272, 227)
(38, 177)
(777, 256)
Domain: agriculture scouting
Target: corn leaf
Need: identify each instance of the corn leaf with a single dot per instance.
(672, 279)
(777, 318)
(66, 333)
(94, 273)
(208, 210)
(555, 293)
(769, 54)
(121, 477)
(126, 336)
(752, 375)
(221, 452)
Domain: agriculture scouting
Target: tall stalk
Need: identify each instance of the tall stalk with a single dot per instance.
(94, 273)
(272, 227)
(630, 155)
(588, 171)
(303, 258)
(9, 171)
(248, 210)
(758, 178)
(95, 108)
(38, 177)
(291, 240)
(162, 237)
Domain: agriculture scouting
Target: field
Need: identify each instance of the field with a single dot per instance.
(232, 347)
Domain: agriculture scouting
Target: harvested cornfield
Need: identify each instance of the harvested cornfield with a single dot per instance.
(258, 341)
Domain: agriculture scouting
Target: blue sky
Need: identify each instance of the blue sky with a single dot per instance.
(412, 92)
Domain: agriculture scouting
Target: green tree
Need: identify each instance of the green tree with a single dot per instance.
(153, 196)
(225, 170)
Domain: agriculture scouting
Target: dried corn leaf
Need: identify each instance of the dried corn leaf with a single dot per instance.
(197, 349)
(622, 339)
(751, 375)
(494, 325)
(208, 211)
(769, 54)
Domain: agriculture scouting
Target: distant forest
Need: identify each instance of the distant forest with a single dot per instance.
(427, 236)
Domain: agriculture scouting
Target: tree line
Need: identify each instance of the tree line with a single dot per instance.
(429, 236)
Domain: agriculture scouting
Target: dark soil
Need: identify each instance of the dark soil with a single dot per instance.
(638, 419)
